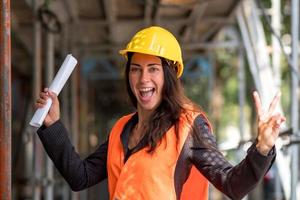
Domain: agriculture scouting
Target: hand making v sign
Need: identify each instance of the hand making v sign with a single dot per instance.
(268, 123)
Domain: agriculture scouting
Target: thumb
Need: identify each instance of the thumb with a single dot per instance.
(276, 121)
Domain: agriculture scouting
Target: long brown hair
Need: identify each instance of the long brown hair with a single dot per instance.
(173, 104)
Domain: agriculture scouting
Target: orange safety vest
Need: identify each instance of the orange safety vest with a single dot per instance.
(147, 176)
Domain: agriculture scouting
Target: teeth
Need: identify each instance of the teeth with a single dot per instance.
(146, 92)
(145, 89)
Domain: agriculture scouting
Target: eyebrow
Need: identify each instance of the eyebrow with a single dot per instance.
(151, 64)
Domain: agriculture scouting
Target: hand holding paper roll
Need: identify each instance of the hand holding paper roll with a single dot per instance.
(54, 112)
(44, 102)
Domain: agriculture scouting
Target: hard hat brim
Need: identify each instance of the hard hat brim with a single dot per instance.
(124, 52)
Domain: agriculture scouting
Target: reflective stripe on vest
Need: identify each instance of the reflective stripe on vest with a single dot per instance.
(147, 176)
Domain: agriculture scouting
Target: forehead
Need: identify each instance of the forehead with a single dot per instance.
(140, 58)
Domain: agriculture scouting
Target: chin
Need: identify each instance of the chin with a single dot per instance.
(149, 107)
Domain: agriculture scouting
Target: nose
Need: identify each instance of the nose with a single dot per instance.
(145, 76)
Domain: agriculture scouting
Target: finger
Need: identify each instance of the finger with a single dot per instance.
(276, 121)
(280, 120)
(44, 95)
(41, 101)
(38, 105)
(274, 103)
(54, 98)
(257, 102)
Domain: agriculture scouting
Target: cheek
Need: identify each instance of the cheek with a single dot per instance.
(160, 84)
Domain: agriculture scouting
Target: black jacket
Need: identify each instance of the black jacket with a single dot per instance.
(200, 150)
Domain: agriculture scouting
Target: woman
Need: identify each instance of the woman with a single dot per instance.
(152, 153)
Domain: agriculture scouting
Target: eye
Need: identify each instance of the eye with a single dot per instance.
(134, 68)
(153, 69)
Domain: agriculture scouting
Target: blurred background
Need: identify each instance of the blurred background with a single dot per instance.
(230, 48)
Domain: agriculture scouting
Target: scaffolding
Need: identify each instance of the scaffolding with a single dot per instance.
(5, 101)
(264, 69)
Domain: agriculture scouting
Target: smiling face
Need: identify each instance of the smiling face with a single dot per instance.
(146, 78)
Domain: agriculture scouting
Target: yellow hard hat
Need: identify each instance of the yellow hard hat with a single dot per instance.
(156, 41)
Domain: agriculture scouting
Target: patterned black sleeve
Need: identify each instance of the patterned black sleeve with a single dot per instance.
(80, 174)
(233, 181)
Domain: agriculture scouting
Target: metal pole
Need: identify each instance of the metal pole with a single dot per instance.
(242, 97)
(49, 76)
(242, 91)
(37, 56)
(5, 99)
(276, 55)
(249, 50)
(294, 96)
(278, 193)
(37, 80)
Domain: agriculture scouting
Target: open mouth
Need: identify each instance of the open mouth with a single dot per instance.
(146, 93)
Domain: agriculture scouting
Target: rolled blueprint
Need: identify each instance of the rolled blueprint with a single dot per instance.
(56, 85)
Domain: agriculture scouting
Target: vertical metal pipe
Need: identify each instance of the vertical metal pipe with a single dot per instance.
(48, 78)
(49, 59)
(276, 19)
(278, 193)
(276, 57)
(37, 80)
(295, 95)
(148, 11)
(242, 91)
(242, 97)
(5, 100)
(241, 19)
(37, 56)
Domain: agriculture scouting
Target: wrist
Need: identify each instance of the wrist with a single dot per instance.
(49, 123)
(263, 149)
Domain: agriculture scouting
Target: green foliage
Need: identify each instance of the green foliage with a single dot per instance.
(226, 61)
(197, 91)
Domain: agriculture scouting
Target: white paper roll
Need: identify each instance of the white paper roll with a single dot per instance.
(56, 85)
